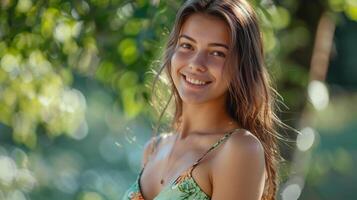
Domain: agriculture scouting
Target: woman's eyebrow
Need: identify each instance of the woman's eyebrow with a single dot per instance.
(211, 44)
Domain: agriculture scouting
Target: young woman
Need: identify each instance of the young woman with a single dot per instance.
(223, 143)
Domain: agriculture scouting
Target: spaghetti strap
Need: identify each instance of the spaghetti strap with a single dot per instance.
(215, 145)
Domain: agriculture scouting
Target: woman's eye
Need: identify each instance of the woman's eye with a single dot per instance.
(186, 46)
(218, 53)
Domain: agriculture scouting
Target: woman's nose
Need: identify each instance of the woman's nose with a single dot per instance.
(198, 62)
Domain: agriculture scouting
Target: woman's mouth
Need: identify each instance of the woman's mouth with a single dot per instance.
(195, 82)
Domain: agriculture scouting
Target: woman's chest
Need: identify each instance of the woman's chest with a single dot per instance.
(160, 168)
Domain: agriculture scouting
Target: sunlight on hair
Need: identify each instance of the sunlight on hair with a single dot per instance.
(318, 94)
(306, 139)
(291, 192)
(164, 79)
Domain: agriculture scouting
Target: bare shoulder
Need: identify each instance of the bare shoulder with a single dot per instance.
(239, 147)
(239, 164)
(150, 144)
(245, 143)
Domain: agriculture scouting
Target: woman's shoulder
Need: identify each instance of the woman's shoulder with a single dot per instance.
(241, 146)
(243, 140)
(240, 163)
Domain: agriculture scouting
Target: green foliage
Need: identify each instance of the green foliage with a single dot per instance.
(45, 42)
(47, 48)
(74, 96)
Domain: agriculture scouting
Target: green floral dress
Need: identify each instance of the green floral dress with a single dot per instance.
(183, 188)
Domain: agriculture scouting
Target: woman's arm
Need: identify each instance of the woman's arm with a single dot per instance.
(239, 171)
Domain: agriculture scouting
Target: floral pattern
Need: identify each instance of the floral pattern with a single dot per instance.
(136, 196)
(134, 193)
(185, 175)
(189, 188)
(183, 188)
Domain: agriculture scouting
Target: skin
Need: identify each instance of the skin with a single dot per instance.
(201, 54)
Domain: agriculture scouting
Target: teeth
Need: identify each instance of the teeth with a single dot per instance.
(195, 81)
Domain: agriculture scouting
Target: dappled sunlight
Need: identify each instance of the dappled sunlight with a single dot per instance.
(75, 94)
(15, 175)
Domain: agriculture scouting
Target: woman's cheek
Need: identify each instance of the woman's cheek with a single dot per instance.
(216, 65)
(175, 63)
(216, 61)
(178, 60)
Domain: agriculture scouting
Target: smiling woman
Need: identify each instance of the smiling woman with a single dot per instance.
(223, 142)
(198, 62)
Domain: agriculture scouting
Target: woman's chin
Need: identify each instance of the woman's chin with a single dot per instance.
(193, 99)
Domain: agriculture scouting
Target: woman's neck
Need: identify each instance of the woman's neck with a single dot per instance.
(204, 118)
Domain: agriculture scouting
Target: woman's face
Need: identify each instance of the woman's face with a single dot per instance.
(197, 66)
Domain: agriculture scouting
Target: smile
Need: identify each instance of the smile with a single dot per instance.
(194, 81)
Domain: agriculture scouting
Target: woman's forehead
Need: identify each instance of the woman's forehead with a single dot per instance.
(206, 28)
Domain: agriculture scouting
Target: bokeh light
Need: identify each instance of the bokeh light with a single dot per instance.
(318, 94)
(306, 139)
(75, 108)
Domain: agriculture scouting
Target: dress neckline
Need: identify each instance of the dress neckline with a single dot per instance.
(187, 172)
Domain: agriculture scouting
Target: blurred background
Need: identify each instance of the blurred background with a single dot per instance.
(75, 82)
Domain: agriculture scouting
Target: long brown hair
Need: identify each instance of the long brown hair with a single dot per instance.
(251, 98)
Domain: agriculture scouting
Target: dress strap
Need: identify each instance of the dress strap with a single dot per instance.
(215, 145)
